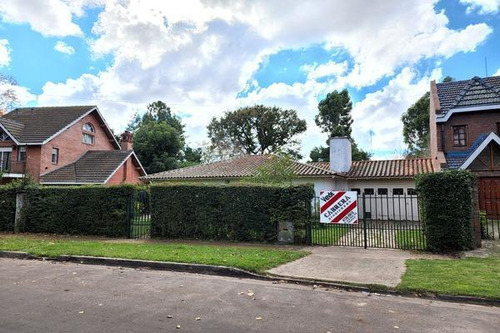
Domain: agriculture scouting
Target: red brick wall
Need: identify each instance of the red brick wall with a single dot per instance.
(477, 123)
(70, 144)
(126, 174)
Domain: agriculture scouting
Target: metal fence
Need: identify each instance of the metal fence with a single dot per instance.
(139, 215)
(384, 222)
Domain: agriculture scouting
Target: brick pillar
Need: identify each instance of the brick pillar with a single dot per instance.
(475, 218)
(127, 141)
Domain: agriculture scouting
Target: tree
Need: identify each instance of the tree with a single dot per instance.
(278, 171)
(8, 96)
(159, 139)
(256, 129)
(334, 118)
(416, 125)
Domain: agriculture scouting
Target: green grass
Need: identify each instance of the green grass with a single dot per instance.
(250, 258)
(328, 235)
(410, 240)
(470, 276)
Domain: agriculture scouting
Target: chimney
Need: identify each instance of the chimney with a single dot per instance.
(2, 112)
(126, 140)
(340, 154)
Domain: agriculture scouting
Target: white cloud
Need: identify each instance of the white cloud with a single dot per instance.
(4, 52)
(64, 48)
(198, 55)
(497, 73)
(483, 6)
(48, 17)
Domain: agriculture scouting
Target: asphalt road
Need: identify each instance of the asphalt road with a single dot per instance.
(40, 296)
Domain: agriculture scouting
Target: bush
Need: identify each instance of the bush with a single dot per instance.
(85, 210)
(446, 207)
(7, 208)
(242, 212)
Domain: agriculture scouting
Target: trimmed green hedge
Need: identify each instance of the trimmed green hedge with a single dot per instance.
(241, 212)
(7, 208)
(84, 210)
(446, 207)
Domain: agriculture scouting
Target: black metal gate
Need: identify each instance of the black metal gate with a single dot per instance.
(384, 222)
(139, 215)
(489, 206)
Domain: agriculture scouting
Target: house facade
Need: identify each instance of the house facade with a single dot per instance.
(464, 133)
(388, 185)
(65, 145)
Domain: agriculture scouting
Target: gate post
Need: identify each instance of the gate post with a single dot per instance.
(129, 217)
(475, 218)
(364, 222)
(20, 203)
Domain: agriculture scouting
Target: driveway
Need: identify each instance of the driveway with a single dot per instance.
(39, 296)
(351, 264)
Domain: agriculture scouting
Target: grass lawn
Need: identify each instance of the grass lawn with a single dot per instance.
(256, 259)
(410, 240)
(328, 235)
(469, 276)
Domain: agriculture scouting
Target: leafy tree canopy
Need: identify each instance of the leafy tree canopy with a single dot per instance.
(334, 118)
(277, 171)
(159, 140)
(8, 96)
(256, 129)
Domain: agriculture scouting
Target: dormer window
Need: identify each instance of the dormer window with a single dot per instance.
(88, 134)
(460, 136)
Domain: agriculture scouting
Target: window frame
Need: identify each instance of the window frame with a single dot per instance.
(88, 134)
(383, 188)
(465, 134)
(398, 188)
(369, 188)
(56, 150)
(412, 190)
(21, 153)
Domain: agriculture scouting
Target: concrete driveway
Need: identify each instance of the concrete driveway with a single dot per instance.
(352, 264)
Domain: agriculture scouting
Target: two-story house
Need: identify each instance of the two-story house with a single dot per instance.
(68, 145)
(464, 132)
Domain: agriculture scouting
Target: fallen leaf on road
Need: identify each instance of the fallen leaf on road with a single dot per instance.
(197, 318)
(396, 327)
(178, 327)
(258, 318)
(169, 316)
(250, 293)
(81, 312)
(361, 304)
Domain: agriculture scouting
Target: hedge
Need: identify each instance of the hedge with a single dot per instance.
(446, 201)
(85, 210)
(7, 208)
(242, 212)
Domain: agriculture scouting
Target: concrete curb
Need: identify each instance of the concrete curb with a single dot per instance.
(240, 273)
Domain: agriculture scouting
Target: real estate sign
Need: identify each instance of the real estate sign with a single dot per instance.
(339, 207)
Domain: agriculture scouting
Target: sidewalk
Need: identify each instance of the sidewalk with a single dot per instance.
(353, 265)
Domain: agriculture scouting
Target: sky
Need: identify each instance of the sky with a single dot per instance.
(205, 57)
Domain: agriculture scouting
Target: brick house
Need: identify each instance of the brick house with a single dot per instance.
(464, 132)
(68, 145)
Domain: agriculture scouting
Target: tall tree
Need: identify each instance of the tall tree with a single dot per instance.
(159, 139)
(334, 118)
(416, 125)
(8, 96)
(256, 129)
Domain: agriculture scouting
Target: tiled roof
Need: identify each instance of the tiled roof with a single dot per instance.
(403, 168)
(455, 159)
(94, 167)
(245, 166)
(248, 165)
(474, 92)
(35, 125)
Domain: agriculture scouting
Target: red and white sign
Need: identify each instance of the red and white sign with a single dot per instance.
(339, 207)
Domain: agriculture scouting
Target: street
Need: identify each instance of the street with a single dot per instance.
(39, 296)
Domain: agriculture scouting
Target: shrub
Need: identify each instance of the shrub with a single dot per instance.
(7, 208)
(85, 210)
(446, 207)
(242, 212)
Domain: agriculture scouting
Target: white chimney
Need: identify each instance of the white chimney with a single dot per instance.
(340, 154)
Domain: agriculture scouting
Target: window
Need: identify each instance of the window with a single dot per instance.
(382, 191)
(460, 136)
(397, 191)
(368, 191)
(21, 154)
(88, 135)
(5, 159)
(55, 155)
(357, 190)
(411, 191)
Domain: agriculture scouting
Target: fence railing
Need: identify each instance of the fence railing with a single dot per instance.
(384, 221)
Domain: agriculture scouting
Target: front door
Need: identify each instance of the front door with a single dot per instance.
(489, 196)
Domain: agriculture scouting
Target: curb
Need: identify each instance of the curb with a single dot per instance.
(240, 273)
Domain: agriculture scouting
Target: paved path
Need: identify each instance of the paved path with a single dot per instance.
(54, 297)
(351, 264)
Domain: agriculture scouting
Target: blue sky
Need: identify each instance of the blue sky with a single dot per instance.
(205, 59)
